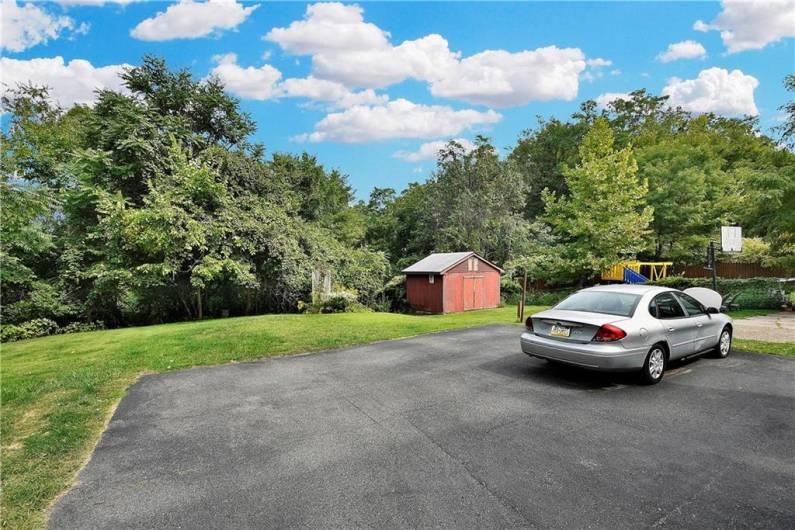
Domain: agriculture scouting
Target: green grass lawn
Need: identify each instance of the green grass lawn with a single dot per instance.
(58, 392)
(786, 349)
(745, 313)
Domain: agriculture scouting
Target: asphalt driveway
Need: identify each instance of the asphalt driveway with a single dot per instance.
(456, 430)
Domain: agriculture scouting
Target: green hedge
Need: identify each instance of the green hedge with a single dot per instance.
(744, 293)
(41, 327)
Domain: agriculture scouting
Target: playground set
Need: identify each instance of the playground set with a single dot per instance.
(637, 271)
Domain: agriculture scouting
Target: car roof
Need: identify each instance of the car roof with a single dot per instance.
(629, 289)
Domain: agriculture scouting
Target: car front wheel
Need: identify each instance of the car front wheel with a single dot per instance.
(654, 366)
(724, 344)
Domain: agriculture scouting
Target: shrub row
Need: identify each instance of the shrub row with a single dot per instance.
(740, 293)
(335, 302)
(41, 327)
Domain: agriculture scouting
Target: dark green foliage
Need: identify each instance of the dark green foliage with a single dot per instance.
(337, 302)
(474, 201)
(37, 327)
(702, 171)
(540, 156)
(153, 207)
(549, 298)
(743, 293)
(787, 129)
(393, 296)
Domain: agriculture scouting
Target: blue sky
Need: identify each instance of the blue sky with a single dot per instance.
(365, 86)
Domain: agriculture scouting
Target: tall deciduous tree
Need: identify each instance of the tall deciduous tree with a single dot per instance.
(787, 129)
(477, 202)
(158, 208)
(605, 218)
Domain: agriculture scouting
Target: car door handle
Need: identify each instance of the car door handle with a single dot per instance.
(699, 325)
(671, 329)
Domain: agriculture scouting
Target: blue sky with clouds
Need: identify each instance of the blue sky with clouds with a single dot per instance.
(373, 88)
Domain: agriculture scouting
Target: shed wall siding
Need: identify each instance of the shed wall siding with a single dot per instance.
(425, 296)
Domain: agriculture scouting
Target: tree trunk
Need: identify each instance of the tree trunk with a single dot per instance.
(199, 310)
(188, 312)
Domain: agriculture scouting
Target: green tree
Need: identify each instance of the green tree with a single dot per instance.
(477, 202)
(787, 129)
(153, 206)
(605, 218)
(541, 154)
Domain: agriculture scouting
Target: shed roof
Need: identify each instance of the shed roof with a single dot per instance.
(439, 263)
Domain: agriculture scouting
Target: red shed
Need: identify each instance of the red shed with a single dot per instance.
(452, 282)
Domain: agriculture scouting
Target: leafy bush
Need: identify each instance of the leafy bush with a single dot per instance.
(510, 290)
(336, 302)
(535, 297)
(394, 294)
(79, 327)
(744, 293)
(42, 301)
(10, 333)
(38, 327)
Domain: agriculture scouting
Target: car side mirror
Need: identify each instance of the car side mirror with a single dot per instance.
(713, 310)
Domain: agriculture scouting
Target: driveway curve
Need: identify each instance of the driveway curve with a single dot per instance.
(453, 430)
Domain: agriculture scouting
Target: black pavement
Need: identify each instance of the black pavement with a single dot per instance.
(454, 430)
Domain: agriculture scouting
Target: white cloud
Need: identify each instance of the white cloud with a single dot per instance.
(502, 79)
(593, 70)
(69, 3)
(396, 119)
(598, 62)
(330, 92)
(752, 25)
(346, 49)
(424, 59)
(69, 83)
(329, 26)
(608, 97)
(700, 25)
(265, 83)
(25, 26)
(250, 82)
(430, 150)
(714, 90)
(687, 49)
(189, 20)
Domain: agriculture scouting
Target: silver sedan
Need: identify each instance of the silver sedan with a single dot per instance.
(629, 328)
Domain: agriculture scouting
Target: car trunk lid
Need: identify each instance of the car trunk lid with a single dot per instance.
(572, 326)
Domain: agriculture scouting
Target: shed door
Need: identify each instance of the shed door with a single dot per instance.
(473, 292)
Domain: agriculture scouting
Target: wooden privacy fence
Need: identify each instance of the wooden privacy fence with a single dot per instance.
(734, 270)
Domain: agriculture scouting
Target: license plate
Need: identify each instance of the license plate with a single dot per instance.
(560, 331)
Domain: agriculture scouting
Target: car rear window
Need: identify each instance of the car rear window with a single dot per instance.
(609, 303)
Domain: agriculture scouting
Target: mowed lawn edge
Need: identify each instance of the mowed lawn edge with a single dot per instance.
(58, 392)
(783, 349)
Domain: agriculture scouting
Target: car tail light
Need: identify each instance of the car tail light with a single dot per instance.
(529, 323)
(608, 333)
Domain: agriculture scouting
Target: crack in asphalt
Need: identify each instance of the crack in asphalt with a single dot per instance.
(505, 503)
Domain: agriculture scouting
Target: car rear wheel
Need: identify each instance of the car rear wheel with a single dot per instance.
(724, 346)
(654, 366)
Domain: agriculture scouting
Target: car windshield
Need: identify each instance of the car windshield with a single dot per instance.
(610, 303)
